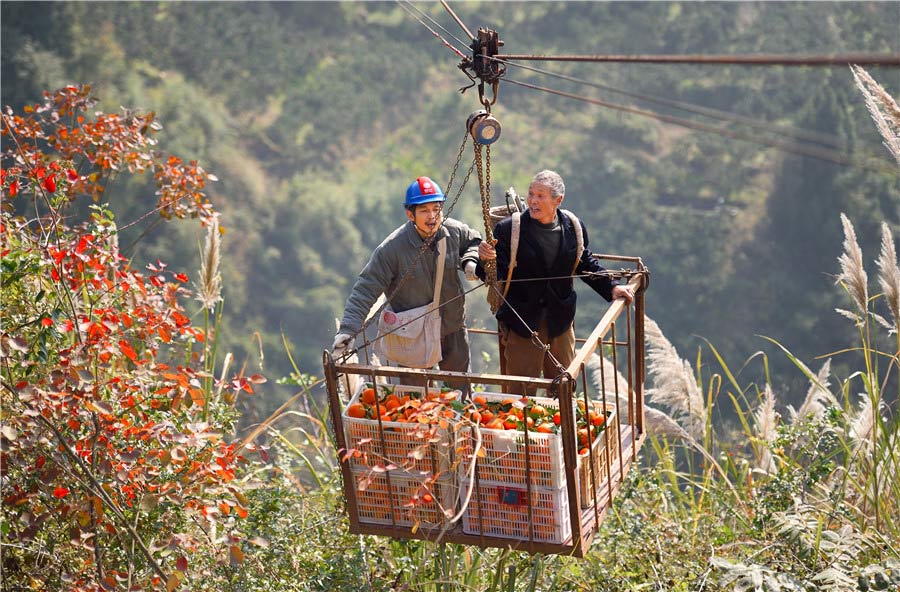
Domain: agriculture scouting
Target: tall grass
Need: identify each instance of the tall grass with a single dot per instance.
(759, 496)
(773, 497)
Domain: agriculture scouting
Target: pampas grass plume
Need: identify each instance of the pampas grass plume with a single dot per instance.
(209, 292)
(889, 273)
(853, 274)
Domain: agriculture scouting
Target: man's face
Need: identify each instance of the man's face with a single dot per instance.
(427, 218)
(541, 203)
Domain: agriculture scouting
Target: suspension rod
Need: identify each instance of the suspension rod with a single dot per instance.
(750, 60)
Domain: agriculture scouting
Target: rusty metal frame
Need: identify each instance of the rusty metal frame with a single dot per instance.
(631, 433)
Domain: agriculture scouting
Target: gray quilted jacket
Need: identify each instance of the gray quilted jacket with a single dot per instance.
(391, 259)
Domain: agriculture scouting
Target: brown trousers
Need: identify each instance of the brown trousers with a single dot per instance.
(519, 356)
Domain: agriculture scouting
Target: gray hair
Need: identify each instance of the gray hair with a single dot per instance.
(551, 179)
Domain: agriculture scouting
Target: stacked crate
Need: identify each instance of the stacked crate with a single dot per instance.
(402, 467)
(519, 491)
(593, 466)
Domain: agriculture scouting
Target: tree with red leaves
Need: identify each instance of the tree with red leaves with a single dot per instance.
(115, 471)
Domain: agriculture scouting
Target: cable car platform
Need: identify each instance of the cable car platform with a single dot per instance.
(491, 460)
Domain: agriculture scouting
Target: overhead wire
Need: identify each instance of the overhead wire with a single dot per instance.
(805, 150)
(433, 32)
(808, 135)
(457, 19)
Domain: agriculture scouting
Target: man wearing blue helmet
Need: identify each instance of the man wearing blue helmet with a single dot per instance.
(399, 252)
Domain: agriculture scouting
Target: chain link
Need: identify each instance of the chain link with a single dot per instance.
(490, 266)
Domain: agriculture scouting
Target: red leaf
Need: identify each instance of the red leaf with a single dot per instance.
(181, 277)
(73, 176)
(126, 349)
(180, 319)
(236, 555)
(14, 188)
(181, 564)
(50, 183)
(60, 492)
(47, 322)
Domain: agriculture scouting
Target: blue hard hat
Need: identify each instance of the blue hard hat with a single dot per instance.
(423, 190)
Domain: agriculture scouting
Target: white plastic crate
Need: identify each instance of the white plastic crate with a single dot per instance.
(501, 510)
(503, 456)
(402, 499)
(599, 453)
(411, 446)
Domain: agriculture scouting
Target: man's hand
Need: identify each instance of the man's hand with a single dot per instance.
(341, 341)
(486, 252)
(624, 292)
(470, 271)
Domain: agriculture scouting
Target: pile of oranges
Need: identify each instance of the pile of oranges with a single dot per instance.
(517, 414)
(410, 406)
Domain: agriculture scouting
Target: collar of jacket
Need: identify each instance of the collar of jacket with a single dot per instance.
(565, 226)
(415, 240)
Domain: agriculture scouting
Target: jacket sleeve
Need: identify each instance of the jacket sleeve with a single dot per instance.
(601, 284)
(469, 239)
(373, 281)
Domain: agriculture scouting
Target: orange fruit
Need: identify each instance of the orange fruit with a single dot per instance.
(597, 419)
(368, 396)
(545, 428)
(356, 410)
(582, 436)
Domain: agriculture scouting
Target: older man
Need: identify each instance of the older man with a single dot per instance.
(541, 296)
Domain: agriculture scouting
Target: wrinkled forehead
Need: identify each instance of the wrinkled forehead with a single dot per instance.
(540, 189)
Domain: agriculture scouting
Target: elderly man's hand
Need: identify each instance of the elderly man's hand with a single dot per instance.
(624, 292)
(486, 252)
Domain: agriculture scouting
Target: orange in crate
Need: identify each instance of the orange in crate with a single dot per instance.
(400, 426)
(402, 499)
(505, 454)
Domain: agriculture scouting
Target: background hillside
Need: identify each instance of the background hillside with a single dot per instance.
(315, 117)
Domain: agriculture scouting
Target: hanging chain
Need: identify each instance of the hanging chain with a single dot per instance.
(484, 183)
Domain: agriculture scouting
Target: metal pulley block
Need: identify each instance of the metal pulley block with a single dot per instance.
(484, 127)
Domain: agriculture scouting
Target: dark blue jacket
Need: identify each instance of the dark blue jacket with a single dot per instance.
(554, 298)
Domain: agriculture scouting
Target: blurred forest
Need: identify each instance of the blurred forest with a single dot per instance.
(316, 116)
